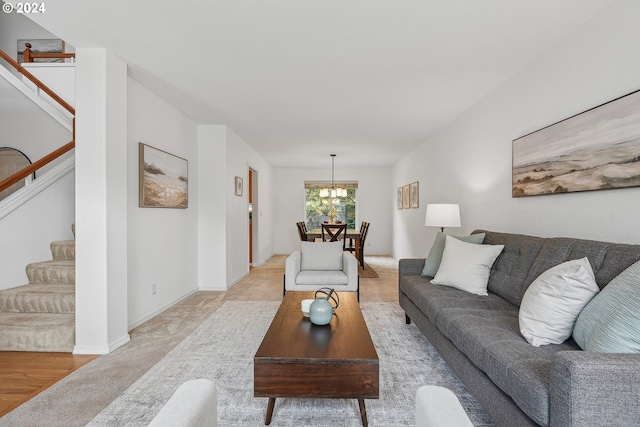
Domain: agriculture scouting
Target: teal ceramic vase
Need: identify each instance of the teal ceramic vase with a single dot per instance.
(321, 309)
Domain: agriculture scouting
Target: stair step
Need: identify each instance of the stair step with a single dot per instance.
(39, 298)
(55, 272)
(37, 332)
(64, 249)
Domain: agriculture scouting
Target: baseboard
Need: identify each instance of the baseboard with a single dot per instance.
(101, 349)
(237, 281)
(160, 310)
(91, 349)
(119, 342)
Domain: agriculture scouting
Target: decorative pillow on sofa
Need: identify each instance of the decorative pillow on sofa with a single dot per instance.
(552, 303)
(466, 266)
(610, 323)
(435, 254)
(321, 256)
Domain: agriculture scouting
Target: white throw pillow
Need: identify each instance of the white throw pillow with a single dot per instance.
(466, 266)
(552, 303)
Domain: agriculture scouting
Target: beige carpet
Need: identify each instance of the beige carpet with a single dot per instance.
(79, 397)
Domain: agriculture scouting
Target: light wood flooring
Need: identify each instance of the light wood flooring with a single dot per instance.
(24, 374)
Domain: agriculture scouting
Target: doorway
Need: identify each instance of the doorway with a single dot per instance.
(253, 215)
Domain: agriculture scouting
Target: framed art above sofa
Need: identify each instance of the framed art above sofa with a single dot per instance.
(593, 150)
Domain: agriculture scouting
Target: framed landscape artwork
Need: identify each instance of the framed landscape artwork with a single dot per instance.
(594, 150)
(413, 198)
(405, 197)
(163, 179)
(399, 198)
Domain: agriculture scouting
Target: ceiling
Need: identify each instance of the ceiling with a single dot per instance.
(300, 79)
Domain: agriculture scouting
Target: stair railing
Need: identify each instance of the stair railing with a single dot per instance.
(30, 55)
(25, 172)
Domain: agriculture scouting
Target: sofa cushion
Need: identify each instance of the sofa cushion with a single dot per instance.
(554, 300)
(321, 278)
(434, 298)
(492, 341)
(432, 263)
(466, 266)
(321, 255)
(610, 323)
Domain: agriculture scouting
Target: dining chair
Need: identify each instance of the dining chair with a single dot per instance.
(364, 230)
(302, 231)
(334, 233)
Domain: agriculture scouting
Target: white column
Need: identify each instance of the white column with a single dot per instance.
(101, 202)
(212, 218)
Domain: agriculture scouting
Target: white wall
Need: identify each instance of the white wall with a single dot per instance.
(469, 162)
(241, 157)
(223, 216)
(162, 243)
(374, 203)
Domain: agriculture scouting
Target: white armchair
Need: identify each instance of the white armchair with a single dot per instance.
(321, 264)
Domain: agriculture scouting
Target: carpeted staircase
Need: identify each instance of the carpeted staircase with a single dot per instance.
(40, 316)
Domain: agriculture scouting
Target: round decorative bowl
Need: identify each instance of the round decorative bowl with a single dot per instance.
(304, 306)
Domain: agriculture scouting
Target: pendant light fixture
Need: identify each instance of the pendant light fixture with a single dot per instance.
(333, 192)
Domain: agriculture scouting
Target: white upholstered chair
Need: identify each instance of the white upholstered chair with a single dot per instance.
(439, 407)
(321, 264)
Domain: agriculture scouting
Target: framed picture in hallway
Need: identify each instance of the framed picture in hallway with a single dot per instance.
(238, 186)
(594, 150)
(163, 179)
(405, 197)
(413, 197)
(399, 198)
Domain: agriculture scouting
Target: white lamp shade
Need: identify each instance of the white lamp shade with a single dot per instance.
(442, 215)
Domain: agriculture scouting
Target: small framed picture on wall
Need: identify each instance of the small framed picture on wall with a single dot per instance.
(238, 186)
(405, 197)
(413, 198)
(399, 198)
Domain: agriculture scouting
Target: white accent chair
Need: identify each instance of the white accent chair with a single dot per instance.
(321, 264)
(193, 404)
(439, 407)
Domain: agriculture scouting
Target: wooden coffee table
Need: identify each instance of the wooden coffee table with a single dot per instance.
(300, 359)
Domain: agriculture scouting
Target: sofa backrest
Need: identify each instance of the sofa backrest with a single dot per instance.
(526, 257)
(510, 271)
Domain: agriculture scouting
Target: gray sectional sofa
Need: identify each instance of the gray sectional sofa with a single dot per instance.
(516, 383)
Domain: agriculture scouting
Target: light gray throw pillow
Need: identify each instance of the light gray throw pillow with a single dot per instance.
(434, 258)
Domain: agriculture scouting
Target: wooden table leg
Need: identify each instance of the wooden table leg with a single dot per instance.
(363, 413)
(272, 403)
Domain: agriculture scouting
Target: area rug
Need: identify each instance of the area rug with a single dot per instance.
(367, 272)
(222, 349)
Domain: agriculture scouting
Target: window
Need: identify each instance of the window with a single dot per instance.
(317, 208)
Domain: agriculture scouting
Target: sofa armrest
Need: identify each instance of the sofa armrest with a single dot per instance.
(291, 270)
(350, 268)
(410, 266)
(595, 389)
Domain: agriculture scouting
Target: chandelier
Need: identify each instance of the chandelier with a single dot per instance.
(333, 192)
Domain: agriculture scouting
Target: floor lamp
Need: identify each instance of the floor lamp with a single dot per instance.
(442, 215)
